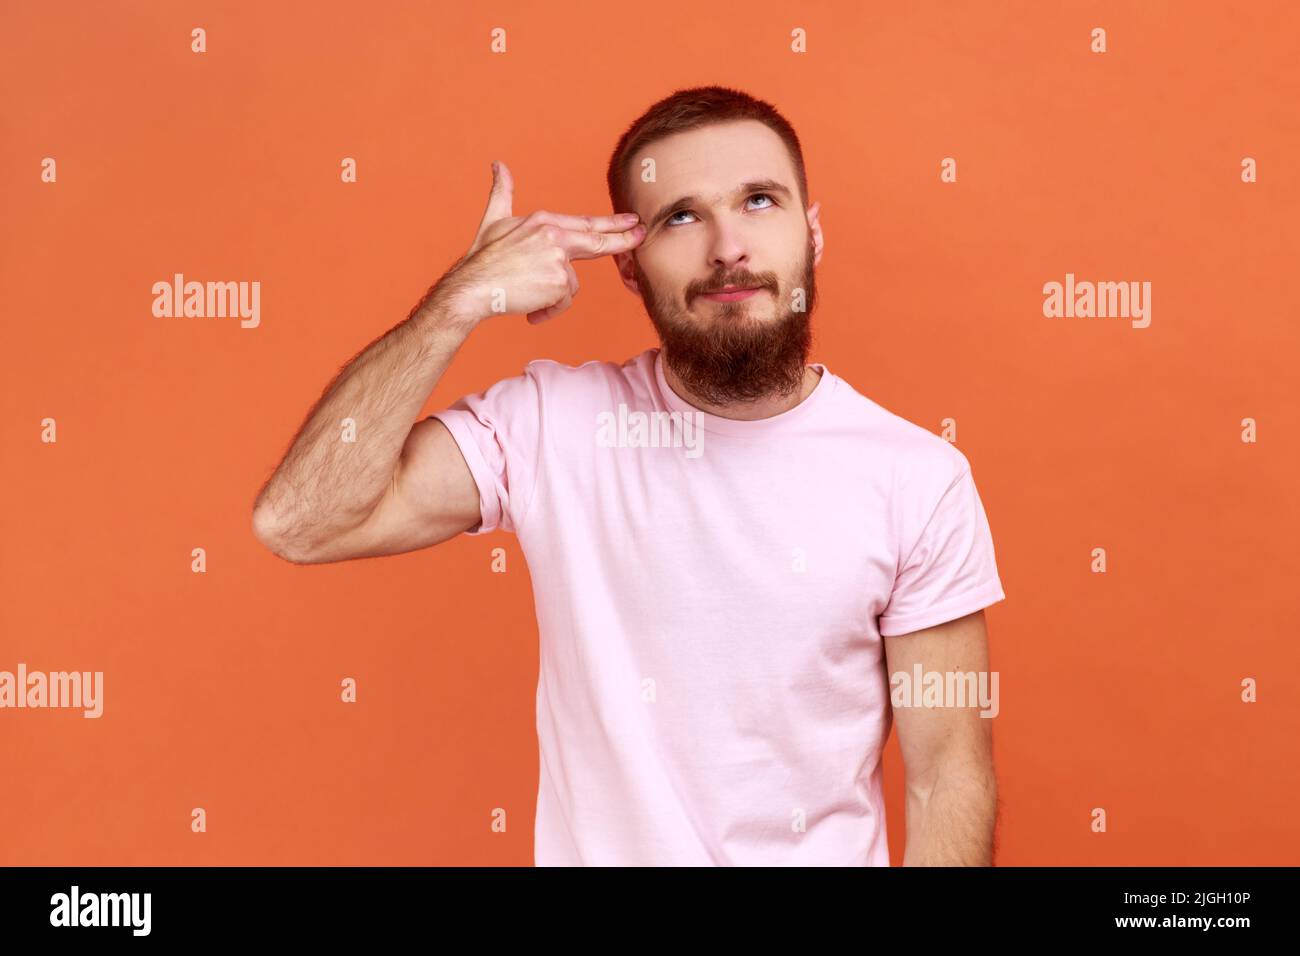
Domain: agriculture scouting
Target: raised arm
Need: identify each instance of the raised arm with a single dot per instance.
(398, 486)
(401, 486)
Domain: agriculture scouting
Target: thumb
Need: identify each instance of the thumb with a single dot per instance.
(501, 199)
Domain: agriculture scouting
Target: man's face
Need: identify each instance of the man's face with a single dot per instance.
(724, 210)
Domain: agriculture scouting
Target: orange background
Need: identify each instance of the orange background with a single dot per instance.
(1119, 690)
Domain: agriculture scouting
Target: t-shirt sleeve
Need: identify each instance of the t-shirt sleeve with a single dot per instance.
(951, 570)
(499, 433)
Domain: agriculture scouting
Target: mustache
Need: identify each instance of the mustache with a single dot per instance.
(745, 281)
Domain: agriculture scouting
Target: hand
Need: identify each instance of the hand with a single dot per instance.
(524, 264)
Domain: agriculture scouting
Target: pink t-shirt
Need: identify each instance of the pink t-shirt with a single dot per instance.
(711, 596)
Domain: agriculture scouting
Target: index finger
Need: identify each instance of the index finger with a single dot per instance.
(614, 223)
(590, 245)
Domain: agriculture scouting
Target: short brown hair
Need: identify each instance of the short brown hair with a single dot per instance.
(691, 109)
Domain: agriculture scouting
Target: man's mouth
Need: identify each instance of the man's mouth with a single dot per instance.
(731, 293)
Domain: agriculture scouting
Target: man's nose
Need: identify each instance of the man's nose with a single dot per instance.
(727, 249)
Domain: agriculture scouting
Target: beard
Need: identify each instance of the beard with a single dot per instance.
(733, 356)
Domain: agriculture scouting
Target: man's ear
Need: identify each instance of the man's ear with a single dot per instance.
(623, 260)
(815, 227)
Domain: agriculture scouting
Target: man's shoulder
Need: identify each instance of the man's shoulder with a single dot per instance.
(912, 446)
(593, 378)
(594, 368)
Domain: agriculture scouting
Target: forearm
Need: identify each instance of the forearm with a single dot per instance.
(326, 484)
(951, 819)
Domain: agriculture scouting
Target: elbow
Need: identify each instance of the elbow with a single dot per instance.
(271, 536)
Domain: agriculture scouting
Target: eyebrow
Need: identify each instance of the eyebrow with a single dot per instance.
(685, 202)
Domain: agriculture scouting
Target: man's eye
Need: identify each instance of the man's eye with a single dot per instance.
(669, 220)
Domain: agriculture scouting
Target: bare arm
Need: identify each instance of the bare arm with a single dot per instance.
(947, 751)
(323, 503)
(397, 486)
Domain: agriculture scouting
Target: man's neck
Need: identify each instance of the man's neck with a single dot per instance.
(765, 407)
